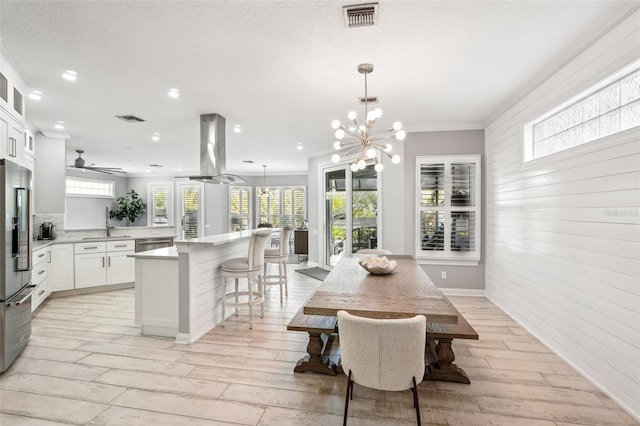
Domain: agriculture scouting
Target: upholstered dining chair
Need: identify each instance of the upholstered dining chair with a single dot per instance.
(278, 256)
(374, 251)
(384, 354)
(251, 268)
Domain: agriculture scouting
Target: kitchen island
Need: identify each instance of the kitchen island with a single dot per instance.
(179, 289)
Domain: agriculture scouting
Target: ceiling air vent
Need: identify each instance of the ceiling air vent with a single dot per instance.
(130, 118)
(360, 15)
(369, 100)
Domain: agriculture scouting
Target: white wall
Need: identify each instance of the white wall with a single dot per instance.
(563, 240)
(88, 212)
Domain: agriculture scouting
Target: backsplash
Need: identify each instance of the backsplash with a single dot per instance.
(76, 234)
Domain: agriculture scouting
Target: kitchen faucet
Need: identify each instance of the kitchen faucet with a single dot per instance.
(108, 222)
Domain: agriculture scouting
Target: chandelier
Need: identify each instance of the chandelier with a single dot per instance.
(361, 137)
(264, 191)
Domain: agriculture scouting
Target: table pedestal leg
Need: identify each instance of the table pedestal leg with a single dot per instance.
(443, 368)
(314, 361)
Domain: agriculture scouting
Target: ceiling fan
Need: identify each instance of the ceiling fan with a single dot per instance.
(79, 163)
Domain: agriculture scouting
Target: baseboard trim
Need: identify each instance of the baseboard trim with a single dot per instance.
(469, 292)
(182, 339)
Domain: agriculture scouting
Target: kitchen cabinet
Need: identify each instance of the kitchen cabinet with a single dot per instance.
(13, 140)
(120, 268)
(61, 271)
(39, 276)
(102, 263)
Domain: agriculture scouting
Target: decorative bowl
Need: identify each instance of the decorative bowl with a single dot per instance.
(377, 265)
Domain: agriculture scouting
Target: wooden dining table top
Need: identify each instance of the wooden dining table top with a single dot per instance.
(406, 292)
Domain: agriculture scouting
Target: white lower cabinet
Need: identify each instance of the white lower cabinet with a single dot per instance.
(101, 263)
(39, 276)
(61, 273)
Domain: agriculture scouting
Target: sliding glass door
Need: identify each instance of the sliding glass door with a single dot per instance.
(351, 211)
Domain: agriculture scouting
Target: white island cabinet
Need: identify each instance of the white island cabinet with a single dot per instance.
(179, 290)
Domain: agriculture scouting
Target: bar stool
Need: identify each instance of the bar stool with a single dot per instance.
(279, 256)
(249, 267)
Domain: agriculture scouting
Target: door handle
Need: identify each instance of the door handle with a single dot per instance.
(103, 261)
(109, 262)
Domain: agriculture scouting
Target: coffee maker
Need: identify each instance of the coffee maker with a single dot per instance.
(47, 231)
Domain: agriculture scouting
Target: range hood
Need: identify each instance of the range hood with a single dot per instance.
(212, 152)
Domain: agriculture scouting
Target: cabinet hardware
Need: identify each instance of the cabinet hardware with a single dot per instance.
(103, 261)
(41, 272)
(109, 263)
(154, 242)
(90, 248)
(41, 255)
(41, 293)
(120, 245)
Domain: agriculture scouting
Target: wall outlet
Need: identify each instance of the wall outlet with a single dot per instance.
(443, 275)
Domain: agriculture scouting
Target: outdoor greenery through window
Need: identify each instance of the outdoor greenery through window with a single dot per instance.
(607, 108)
(160, 200)
(79, 187)
(239, 208)
(448, 208)
(281, 206)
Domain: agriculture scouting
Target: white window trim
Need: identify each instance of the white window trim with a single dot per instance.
(111, 183)
(447, 257)
(249, 214)
(527, 131)
(170, 203)
(281, 188)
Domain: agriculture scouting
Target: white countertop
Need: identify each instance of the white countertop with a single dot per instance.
(160, 253)
(219, 239)
(38, 244)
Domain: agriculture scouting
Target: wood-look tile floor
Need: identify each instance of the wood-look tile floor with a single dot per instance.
(87, 364)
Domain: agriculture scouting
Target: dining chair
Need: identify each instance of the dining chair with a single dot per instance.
(251, 268)
(383, 354)
(373, 251)
(279, 256)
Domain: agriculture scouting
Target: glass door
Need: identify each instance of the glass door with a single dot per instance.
(351, 211)
(190, 208)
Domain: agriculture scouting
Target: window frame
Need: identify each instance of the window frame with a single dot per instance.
(150, 202)
(248, 215)
(110, 183)
(528, 142)
(448, 256)
(281, 214)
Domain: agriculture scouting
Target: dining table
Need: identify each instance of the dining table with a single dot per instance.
(404, 293)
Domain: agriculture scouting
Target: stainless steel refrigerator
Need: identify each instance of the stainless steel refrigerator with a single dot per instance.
(15, 283)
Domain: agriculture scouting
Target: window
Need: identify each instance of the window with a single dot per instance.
(160, 201)
(281, 206)
(79, 187)
(239, 208)
(609, 107)
(190, 210)
(448, 209)
(4, 89)
(17, 101)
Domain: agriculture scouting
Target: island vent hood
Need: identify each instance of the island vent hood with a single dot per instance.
(212, 152)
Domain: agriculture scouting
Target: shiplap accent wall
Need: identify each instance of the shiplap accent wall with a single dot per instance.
(563, 232)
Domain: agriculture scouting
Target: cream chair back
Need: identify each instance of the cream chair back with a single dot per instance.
(285, 235)
(383, 354)
(374, 251)
(257, 244)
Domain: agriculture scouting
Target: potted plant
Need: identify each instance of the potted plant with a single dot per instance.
(130, 207)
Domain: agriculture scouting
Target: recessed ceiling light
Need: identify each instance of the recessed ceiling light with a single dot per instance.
(155, 137)
(36, 95)
(148, 171)
(174, 93)
(59, 125)
(179, 169)
(70, 75)
(299, 146)
(237, 129)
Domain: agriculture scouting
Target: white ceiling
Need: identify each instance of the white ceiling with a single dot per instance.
(280, 69)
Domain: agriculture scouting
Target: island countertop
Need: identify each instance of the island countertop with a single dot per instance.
(159, 253)
(217, 240)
